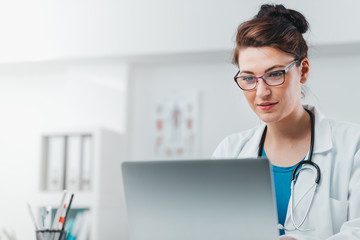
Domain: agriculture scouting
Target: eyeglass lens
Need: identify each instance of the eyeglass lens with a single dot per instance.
(272, 79)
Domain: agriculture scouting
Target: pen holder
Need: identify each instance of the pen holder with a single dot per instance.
(48, 234)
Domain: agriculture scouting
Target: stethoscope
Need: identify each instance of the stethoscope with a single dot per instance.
(295, 174)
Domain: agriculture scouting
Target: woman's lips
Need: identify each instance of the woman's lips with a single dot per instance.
(267, 105)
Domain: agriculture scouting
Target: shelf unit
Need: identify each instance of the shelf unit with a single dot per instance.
(105, 199)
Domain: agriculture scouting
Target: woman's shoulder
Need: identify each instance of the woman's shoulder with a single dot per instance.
(338, 129)
(233, 144)
(345, 136)
(243, 135)
(344, 128)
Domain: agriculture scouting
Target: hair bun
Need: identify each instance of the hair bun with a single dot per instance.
(279, 11)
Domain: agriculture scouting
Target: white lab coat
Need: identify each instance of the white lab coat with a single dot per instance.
(335, 210)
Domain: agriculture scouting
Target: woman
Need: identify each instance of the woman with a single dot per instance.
(271, 54)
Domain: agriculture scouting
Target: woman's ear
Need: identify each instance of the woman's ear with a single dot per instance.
(304, 70)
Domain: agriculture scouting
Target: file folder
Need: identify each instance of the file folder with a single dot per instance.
(55, 159)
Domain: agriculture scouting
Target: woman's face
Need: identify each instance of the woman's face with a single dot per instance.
(273, 103)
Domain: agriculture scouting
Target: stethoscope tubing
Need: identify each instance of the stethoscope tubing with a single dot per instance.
(309, 161)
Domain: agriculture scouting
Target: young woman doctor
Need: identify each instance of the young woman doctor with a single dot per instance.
(323, 200)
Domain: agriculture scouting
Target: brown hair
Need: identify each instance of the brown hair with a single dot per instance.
(274, 26)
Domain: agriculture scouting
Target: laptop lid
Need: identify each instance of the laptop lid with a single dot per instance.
(200, 199)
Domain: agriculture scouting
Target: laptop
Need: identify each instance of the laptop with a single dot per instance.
(200, 199)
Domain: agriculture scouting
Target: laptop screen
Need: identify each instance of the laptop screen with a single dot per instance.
(200, 199)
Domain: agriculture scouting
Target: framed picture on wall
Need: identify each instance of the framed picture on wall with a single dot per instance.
(176, 126)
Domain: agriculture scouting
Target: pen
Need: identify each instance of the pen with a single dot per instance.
(62, 217)
(39, 234)
(68, 209)
(43, 217)
(48, 218)
(66, 216)
(58, 212)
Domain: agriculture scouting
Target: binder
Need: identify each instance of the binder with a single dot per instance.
(55, 159)
(79, 226)
(78, 219)
(86, 166)
(73, 161)
(83, 232)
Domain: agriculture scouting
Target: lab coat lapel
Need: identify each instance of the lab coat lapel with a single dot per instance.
(251, 148)
(306, 178)
(323, 139)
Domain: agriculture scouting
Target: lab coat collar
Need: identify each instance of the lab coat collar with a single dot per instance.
(323, 141)
(251, 148)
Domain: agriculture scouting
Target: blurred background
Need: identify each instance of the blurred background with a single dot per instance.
(132, 74)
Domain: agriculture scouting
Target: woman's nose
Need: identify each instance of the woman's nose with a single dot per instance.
(262, 89)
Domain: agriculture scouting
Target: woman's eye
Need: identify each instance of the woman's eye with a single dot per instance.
(248, 79)
(276, 74)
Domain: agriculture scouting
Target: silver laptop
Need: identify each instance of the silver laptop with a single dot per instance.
(200, 199)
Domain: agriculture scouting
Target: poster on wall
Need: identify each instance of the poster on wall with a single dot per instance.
(176, 126)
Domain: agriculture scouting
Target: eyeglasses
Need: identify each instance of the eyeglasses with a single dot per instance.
(274, 78)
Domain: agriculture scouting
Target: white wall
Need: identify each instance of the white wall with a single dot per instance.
(51, 29)
(41, 97)
(336, 85)
(30, 99)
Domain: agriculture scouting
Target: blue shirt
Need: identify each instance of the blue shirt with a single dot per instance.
(282, 183)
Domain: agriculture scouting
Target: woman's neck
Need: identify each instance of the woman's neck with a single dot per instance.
(296, 126)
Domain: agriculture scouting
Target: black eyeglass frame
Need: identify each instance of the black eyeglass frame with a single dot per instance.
(262, 77)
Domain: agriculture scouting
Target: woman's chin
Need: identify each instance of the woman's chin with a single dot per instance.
(268, 118)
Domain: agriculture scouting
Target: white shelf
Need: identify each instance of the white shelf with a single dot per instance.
(105, 200)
